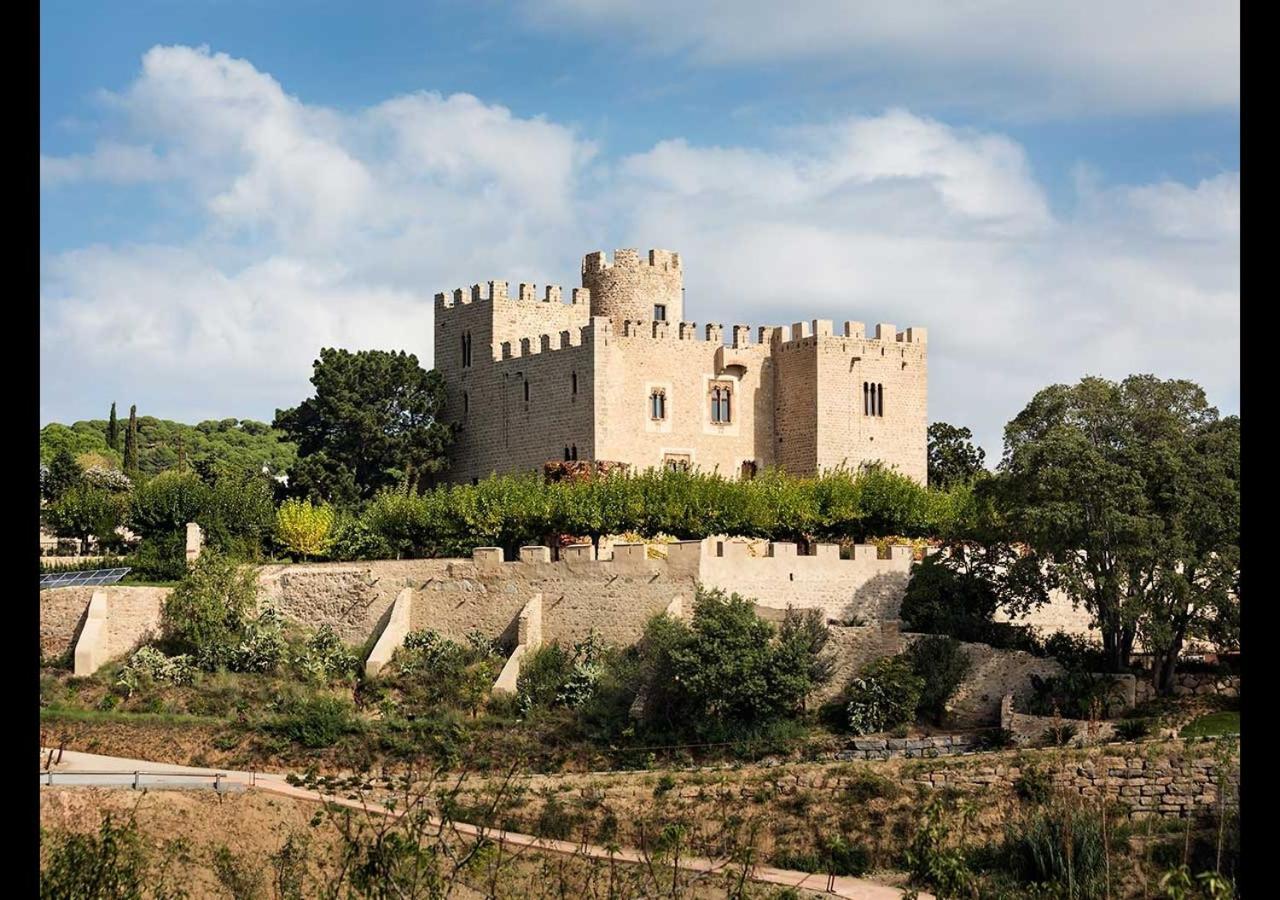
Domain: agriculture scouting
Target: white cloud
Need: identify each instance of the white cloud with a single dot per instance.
(328, 228)
(1082, 57)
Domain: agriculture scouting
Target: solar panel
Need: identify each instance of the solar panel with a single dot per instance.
(86, 577)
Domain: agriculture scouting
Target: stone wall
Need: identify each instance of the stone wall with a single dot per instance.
(864, 587)
(855, 647)
(993, 674)
(133, 616)
(61, 617)
(1177, 779)
(1189, 684)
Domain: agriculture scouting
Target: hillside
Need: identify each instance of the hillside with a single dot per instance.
(242, 443)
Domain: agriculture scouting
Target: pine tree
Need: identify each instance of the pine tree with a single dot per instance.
(113, 430)
(131, 444)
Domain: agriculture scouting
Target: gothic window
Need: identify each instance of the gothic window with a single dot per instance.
(466, 350)
(658, 405)
(872, 398)
(659, 312)
(676, 462)
(720, 411)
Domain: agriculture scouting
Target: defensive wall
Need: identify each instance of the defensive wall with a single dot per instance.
(372, 605)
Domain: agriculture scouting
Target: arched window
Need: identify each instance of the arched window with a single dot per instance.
(866, 399)
(657, 405)
(720, 411)
(466, 350)
(879, 399)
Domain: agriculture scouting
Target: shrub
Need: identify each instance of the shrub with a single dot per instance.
(304, 529)
(149, 665)
(1033, 786)
(1074, 695)
(325, 657)
(434, 670)
(207, 612)
(865, 786)
(161, 557)
(1132, 729)
(1058, 735)
(884, 694)
(836, 857)
(934, 858)
(942, 664)
(110, 863)
(1061, 844)
(262, 646)
(543, 675)
(316, 722)
(354, 538)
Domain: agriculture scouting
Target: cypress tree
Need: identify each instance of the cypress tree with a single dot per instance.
(131, 443)
(113, 430)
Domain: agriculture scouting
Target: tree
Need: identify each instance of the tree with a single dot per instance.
(85, 511)
(304, 529)
(374, 417)
(1131, 491)
(131, 444)
(166, 503)
(953, 457)
(64, 473)
(113, 430)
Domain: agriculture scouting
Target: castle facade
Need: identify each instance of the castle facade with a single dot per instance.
(618, 374)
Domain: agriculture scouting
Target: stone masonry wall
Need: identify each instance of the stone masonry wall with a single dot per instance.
(865, 587)
(61, 618)
(133, 616)
(994, 674)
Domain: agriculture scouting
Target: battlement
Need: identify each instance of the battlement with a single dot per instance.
(498, 291)
(793, 335)
(597, 261)
(563, 340)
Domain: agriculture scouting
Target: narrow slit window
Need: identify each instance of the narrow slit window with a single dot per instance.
(880, 400)
(573, 382)
(526, 390)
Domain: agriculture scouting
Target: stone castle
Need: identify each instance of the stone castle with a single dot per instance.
(618, 374)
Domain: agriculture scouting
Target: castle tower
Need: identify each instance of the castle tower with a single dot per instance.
(631, 288)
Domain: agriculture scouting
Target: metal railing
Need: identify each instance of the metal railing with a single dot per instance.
(139, 780)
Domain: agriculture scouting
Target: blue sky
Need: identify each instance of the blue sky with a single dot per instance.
(227, 186)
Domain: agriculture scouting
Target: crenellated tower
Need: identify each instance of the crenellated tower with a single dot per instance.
(631, 288)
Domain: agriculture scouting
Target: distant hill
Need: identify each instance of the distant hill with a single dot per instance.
(241, 443)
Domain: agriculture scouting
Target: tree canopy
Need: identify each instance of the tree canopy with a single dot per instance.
(953, 457)
(1132, 492)
(372, 424)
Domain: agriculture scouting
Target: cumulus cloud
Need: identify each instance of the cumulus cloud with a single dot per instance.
(326, 228)
(1038, 58)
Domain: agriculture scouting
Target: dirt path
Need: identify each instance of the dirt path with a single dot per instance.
(839, 886)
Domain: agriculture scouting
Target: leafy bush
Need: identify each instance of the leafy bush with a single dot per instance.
(942, 665)
(162, 557)
(113, 862)
(934, 857)
(304, 529)
(207, 613)
(325, 657)
(316, 722)
(836, 857)
(885, 693)
(1074, 695)
(355, 538)
(149, 665)
(433, 670)
(262, 646)
(1033, 786)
